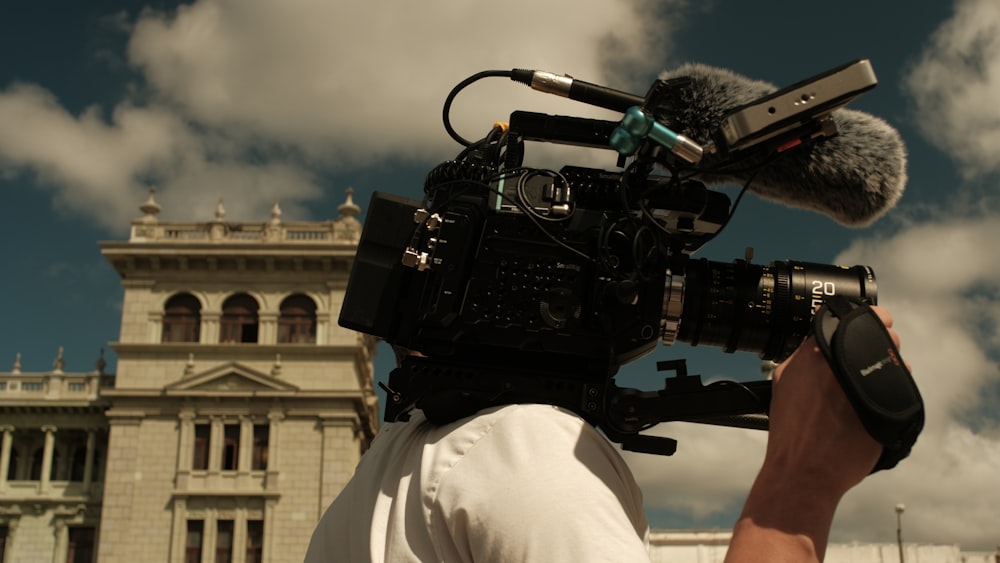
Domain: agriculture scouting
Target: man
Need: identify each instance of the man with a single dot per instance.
(537, 483)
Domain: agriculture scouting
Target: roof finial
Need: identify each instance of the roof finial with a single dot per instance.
(100, 364)
(150, 208)
(17, 363)
(220, 211)
(275, 214)
(349, 208)
(59, 363)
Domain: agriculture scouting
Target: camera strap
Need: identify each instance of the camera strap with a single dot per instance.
(868, 365)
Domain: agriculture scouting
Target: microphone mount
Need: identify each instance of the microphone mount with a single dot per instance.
(638, 126)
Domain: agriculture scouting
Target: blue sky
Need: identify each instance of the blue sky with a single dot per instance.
(256, 101)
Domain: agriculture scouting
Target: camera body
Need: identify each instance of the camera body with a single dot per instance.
(574, 272)
(531, 267)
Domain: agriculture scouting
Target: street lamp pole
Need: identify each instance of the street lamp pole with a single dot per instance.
(899, 530)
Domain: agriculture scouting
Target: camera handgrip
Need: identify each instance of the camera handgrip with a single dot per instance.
(868, 365)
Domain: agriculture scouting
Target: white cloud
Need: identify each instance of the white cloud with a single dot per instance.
(348, 82)
(944, 292)
(944, 283)
(334, 84)
(710, 473)
(101, 169)
(956, 85)
(88, 162)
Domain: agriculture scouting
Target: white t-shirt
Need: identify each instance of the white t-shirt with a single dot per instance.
(512, 483)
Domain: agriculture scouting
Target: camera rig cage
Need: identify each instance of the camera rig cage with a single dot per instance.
(520, 284)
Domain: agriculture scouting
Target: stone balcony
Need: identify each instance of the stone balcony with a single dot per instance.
(50, 491)
(54, 388)
(344, 229)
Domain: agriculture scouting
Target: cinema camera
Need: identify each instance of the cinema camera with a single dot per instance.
(529, 285)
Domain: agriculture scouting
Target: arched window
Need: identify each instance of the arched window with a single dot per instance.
(239, 320)
(297, 323)
(181, 319)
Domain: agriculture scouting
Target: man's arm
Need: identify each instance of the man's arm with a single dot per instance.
(817, 450)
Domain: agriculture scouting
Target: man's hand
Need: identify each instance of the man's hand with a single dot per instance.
(817, 450)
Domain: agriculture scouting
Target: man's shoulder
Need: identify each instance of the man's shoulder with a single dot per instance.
(525, 427)
(505, 422)
(513, 440)
(535, 416)
(511, 437)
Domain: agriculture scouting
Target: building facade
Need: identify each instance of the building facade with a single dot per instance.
(238, 411)
(52, 462)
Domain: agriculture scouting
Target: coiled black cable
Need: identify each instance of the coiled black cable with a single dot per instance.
(446, 111)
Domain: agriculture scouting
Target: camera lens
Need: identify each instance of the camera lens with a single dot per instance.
(763, 309)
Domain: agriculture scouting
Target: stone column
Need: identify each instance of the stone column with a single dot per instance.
(274, 417)
(185, 454)
(323, 328)
(215, 445)
(210, 327)
(267, 324)
(62, 541)
(178, 540)
(209, 535)
(50, 440)
(155, 327)
(269, 504)
(239, 552)
(88, 464)
(8, 442)
(12, 540)
(246, 445)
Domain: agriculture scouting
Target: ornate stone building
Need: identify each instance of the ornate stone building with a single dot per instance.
(238, 410)
(51, 462)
